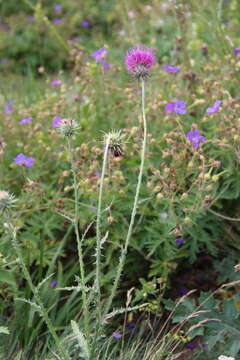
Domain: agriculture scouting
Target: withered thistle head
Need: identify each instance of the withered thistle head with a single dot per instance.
(6, 200)
(115, 140)
(68, 127)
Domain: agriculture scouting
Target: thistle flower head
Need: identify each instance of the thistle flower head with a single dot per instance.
(7, 200)
(68, 127)
(139, 60)
(115, 140)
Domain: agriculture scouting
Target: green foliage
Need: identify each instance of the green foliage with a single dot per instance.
(187, 193)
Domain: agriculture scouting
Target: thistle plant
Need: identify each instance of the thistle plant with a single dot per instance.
(7, 202)
(138, 61)
(68, 128)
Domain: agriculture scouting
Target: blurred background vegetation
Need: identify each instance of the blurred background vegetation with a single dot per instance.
(193, 195)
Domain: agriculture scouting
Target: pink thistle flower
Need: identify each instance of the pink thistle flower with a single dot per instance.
(139, 60)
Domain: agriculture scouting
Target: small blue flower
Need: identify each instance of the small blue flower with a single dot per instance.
(176, 106)
(57, 8)
(99, 54)
(171, 69)
(26, 120)
(85, 23)
(56, 121)
(23, 160)
(195, 138)
(53, 283)
(179, 241)
(57, 20)
(213, 109)
(117, 335)
(236, 51)
(9, 108)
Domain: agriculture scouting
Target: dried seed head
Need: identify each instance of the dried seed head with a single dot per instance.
(68, 127)
(115, 140)
(6, 200)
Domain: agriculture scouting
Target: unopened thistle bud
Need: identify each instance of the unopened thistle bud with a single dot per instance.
(139, 60)
(6, 200)
(68, 127)
(115, 141)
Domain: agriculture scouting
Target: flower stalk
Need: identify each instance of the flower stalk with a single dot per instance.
(135, 204)
(79, 242)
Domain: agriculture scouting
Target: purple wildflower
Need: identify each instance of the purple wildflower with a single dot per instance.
(236, 51)
(195, 138)
(8, 108)
(57, 8)
(171, 69)
(179, 241)
(53, 283)
(213, 109)
(85, 23)
(30, 18)
(6, 27)
(57, 20)
(139, 60)
(182, 291)
(117, 335)
(56, 121)
(56, 82)
(23, 160)
(105, 65)
(176, 106)
(191, 345)
(26, 120)
(131, 326)
(99, 54)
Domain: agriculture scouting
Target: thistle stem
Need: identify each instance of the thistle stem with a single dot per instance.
(98, 237)
(34, 290)
(135, 204)
(79, 243)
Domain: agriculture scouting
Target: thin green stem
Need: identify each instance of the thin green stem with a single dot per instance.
(34, 290)
(135, 205)
(38, 10)
(98, 222)
(79, 242)
(98, 245)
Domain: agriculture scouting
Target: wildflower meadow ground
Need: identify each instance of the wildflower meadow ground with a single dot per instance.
(119, 181)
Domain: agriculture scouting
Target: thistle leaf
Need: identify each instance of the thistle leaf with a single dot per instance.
(81, 340)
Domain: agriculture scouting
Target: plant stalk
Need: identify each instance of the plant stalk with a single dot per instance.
(79, 243)
(135, 205)
(98, 237)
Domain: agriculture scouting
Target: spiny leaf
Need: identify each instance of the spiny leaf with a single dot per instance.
(4, 330)
(81, 340)
(34, 305)
(123, 310)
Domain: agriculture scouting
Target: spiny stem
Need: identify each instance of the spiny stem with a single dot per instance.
(34, 290)
(98, 237)
(135, 204)
(79, 243)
